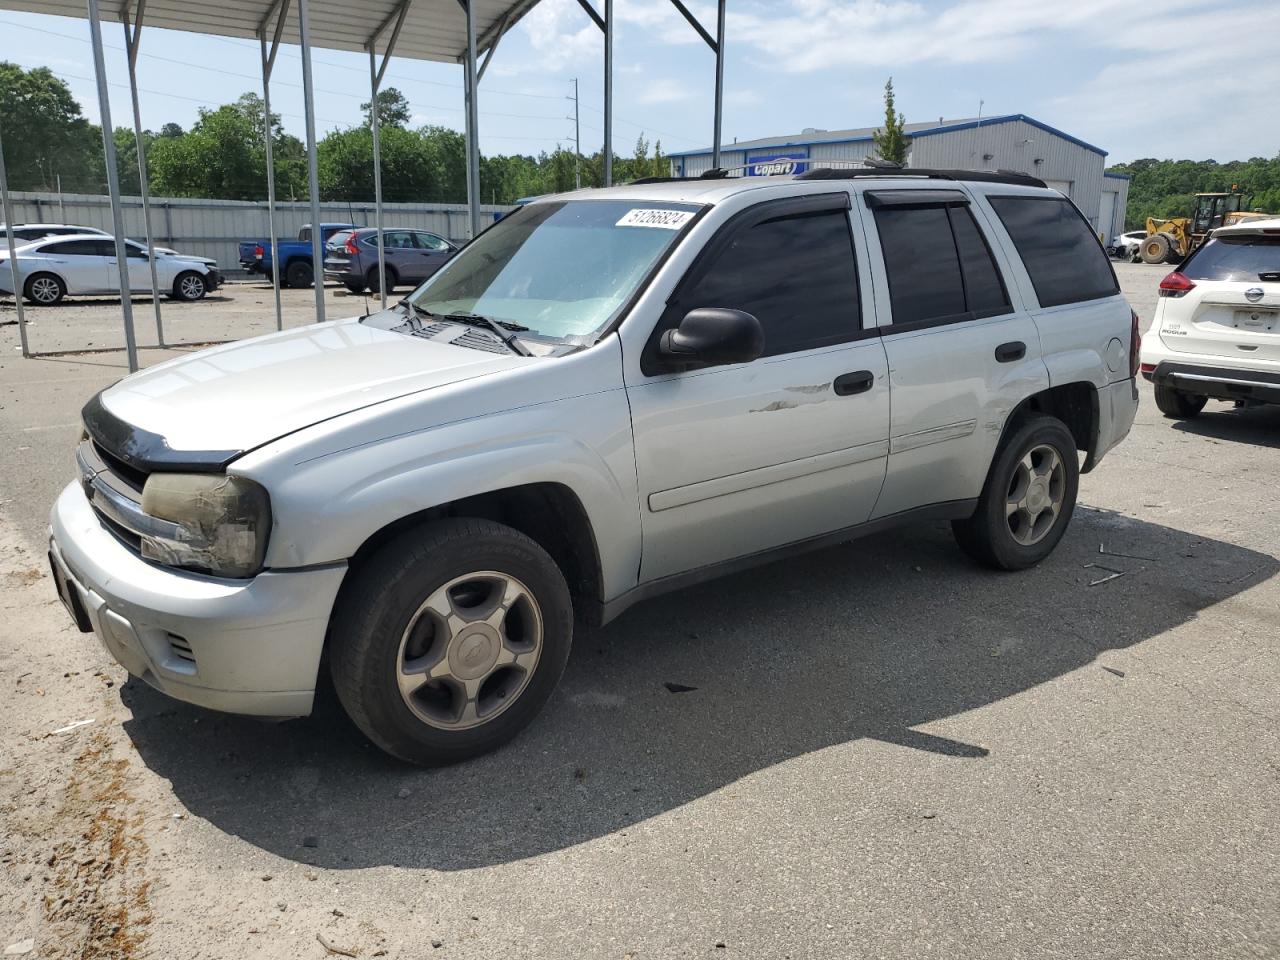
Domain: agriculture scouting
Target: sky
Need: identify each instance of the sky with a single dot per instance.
(1194, 79)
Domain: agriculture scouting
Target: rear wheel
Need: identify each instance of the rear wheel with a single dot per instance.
(1178, 405)
(371, 280)
(354, 287)
(1028, 499)
(299, 274)
(44, 289)
(450, 639)
(1155, 249)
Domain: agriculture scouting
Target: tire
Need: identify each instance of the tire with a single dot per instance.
(382, 618)
(1155, 249)
(371, 280)
(299, 274)
(1177, 405)
(1014, 541)
(354, 287)
(189, 286)
(44, 289)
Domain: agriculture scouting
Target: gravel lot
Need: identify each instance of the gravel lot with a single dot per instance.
(888, 753)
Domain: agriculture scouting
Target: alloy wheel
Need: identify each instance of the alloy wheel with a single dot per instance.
(44, 290)
(192, 288)
(1037, 491)
(469, 650)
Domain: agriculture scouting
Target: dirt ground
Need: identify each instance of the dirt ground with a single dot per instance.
(887, 752)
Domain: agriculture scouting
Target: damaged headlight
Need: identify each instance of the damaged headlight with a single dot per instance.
(221, 522)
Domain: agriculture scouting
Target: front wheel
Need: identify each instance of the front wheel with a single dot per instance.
(1178, 405)
(189, 286)
(1028, 499)
(450, 639)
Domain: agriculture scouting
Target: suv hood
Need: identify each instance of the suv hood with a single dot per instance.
(239, 396)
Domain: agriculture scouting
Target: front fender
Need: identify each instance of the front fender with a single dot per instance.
(324, 507)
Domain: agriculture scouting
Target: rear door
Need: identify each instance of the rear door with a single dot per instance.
(962, 350)
(1233, 309)
(733, 460)
(433, 253)
(83, 264)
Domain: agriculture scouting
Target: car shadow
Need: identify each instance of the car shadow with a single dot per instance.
(1259, 426)
(691, 692)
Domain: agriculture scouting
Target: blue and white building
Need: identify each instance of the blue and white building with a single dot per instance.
(1013, 142)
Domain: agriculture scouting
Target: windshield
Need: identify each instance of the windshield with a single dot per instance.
(1241, 257)
(563, 269)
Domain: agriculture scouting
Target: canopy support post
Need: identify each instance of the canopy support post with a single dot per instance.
(13, 253)
(268, 64)
(131, 39)
(608, 93)
(376, 74)
(473, 119)
(719, 108)
(313, 165)
(113, 183)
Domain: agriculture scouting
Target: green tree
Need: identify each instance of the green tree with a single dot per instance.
(171, 130)
(1167, 188)
(46, 137)
(892, 141)
(393, 109)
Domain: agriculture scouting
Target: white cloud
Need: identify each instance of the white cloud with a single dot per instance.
(663, 90)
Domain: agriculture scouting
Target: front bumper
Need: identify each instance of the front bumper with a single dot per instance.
(240, 646)
(1221, 383)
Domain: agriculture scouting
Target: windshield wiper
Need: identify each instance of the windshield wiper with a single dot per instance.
(505, 331)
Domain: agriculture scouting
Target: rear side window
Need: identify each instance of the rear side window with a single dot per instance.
(81, 248)
(795, 273)
(1062, 256)
(939, 266)
(1242, 258)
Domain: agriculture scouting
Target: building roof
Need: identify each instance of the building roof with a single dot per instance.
(433, 29)
(811, 137)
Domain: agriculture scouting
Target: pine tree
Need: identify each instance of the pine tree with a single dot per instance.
(892, 142)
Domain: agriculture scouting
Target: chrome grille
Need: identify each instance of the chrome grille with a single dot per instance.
(117, 501)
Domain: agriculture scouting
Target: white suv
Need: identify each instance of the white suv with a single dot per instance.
(1216, 331)
(607, 395)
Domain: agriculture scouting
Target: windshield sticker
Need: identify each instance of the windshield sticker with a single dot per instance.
(666, 219)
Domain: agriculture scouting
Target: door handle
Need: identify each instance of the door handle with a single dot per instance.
(859, 381)
(1013, 350)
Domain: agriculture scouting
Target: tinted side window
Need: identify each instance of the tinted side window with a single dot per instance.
(796, 274)
(921, 263)
(74, 248)
(429, 241)
(1063, 257)
(1242, 257)
(984, 290)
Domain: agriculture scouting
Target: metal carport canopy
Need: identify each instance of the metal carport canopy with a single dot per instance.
(434, 30)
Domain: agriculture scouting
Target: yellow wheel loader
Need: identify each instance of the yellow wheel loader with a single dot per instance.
(1171, 241)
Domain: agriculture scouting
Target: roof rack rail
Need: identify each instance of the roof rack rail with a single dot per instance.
(976, 176)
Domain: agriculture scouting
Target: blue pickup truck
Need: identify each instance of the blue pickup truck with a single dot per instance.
(295, 255)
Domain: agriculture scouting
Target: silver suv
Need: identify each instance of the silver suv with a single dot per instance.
(607, 395)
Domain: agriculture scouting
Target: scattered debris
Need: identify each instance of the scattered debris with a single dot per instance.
(1110, 576)
(720, 945)
(1113, 573)
(74, 726)
(311, 841)
(404, 793)
(1118, 673)
(436, 944)
(928, 815)
(678, 687)
(1128, 556)
(20, 947)
(578, 774)
(337, 913)
(332, 948)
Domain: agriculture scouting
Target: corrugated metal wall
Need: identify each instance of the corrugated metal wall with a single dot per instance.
(1016, 145)
(698, 165)
(212, 228)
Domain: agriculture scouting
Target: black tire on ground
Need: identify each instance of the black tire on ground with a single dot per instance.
(189, 285)
(354, 287)
(299, 274)
(371, 280)
(1155, 249)
(44, 289)
(383, 599)
(989, 535)
(1178, 405)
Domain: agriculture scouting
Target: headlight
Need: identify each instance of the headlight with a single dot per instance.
(222, 522)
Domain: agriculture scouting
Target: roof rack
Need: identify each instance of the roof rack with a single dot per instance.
(860, 168)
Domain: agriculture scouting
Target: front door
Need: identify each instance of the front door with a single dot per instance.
(734, 460)
(433, 253)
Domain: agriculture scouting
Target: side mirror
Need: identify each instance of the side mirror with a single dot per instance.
(712, 336)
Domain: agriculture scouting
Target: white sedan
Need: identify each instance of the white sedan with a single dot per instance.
(56, 267)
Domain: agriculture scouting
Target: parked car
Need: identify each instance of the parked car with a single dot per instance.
(170, 252)
(26, 232)
(295, 255)
(86, 265)
(351, 257)
(1126, 245)
(1216, 332)
(605, 396)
